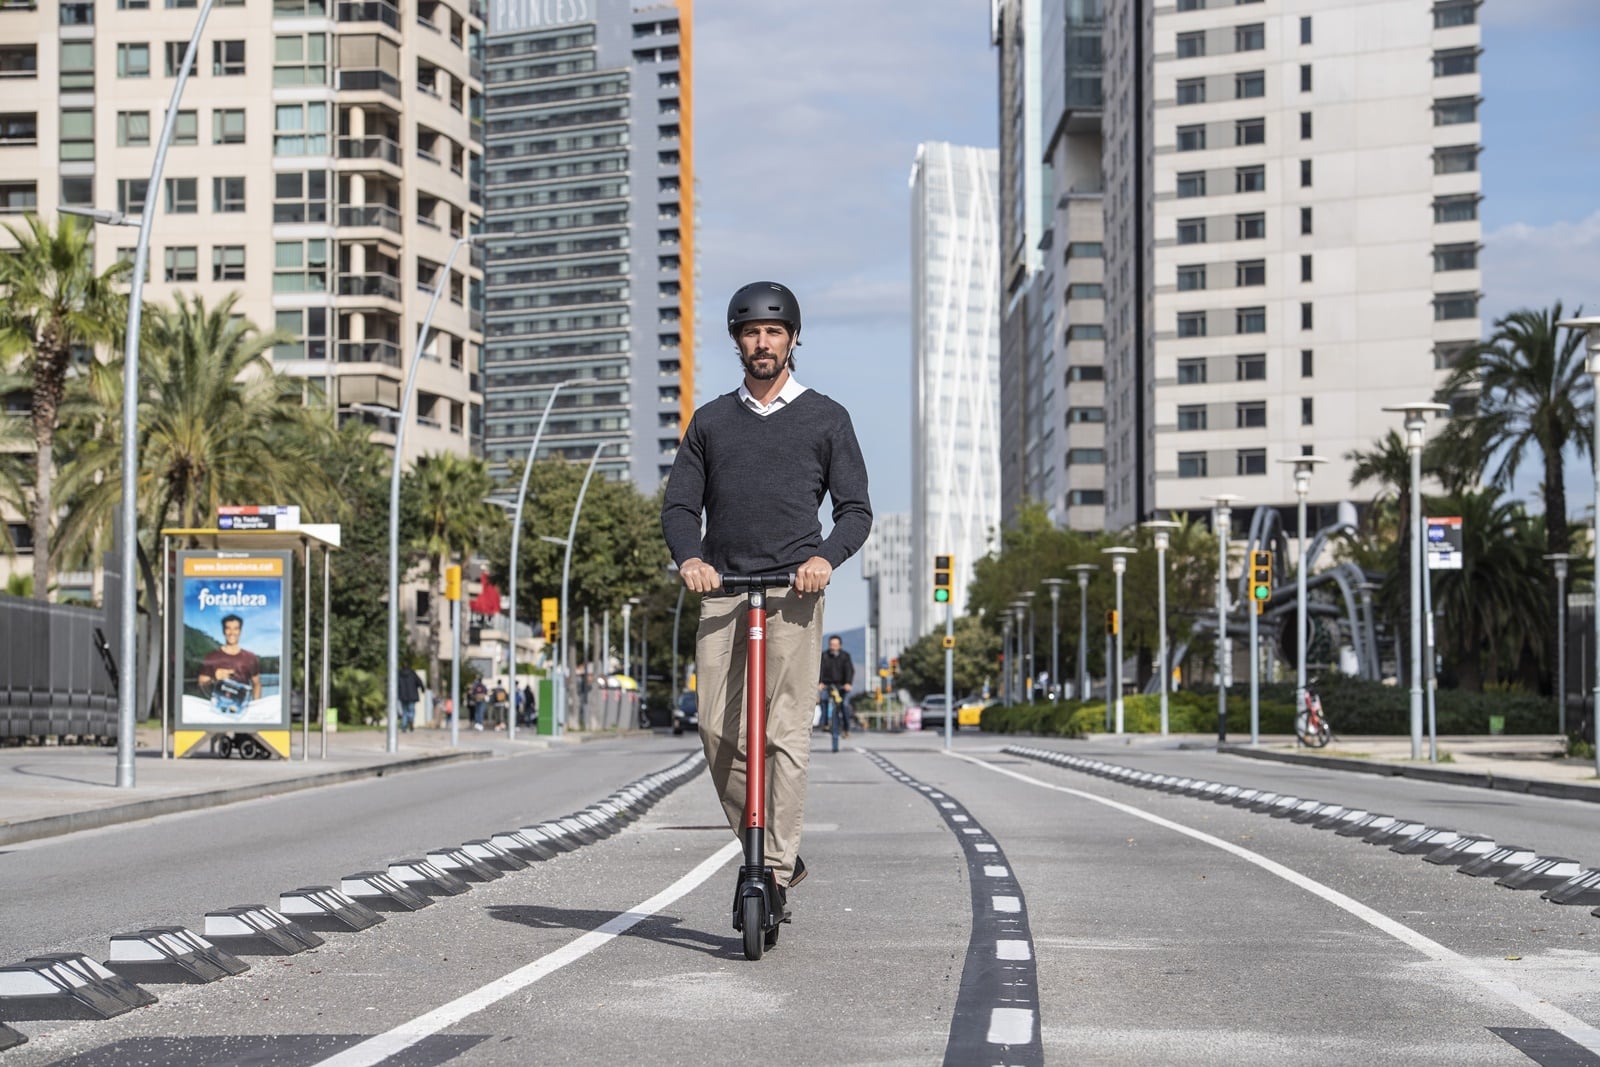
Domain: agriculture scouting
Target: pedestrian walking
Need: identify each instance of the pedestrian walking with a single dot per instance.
(409, 690)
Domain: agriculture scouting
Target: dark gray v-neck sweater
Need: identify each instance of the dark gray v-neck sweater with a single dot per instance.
(760, 480)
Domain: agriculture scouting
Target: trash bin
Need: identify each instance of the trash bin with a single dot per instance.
(1497, 725)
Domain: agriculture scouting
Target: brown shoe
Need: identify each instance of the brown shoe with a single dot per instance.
(799, 874)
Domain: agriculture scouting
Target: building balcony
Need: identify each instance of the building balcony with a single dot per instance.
(383, 286)
(385, 352)
(370, 11)
(376, 148)
(379, 216)
(369, 81)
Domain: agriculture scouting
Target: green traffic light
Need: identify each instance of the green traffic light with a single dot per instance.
(1263, 592)
(941, 596)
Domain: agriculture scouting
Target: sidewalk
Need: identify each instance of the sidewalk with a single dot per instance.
(49, 790)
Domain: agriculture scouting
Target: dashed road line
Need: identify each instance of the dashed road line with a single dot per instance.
(996, 1017)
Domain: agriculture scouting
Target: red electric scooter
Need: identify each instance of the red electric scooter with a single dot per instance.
(758, 901)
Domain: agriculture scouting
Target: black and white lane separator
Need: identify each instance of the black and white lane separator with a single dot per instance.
(67, 987)
(996, 1019)
(1556, 878)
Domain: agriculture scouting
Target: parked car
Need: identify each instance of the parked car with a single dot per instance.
(686, 716)
(969, 712)
(934, 712)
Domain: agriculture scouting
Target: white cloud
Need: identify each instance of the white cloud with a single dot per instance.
(1534, 266)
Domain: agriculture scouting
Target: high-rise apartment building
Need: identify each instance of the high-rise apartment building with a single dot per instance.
(886, 568)
(955, 368)
(1291, 236)
(590, 213)
(323, 166)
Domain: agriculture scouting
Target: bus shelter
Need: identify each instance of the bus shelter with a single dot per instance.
(227, 637)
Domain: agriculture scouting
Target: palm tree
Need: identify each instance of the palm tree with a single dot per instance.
(1532, 395)
(448, 493)
(53, 302)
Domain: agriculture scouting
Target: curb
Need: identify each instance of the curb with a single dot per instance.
(71, 822)
(1474, 779)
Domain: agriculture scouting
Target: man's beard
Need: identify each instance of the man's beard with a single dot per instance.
(759, 374)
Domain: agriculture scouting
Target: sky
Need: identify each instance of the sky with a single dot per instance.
(807, 120)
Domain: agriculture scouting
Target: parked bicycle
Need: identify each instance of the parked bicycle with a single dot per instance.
(1310, 724)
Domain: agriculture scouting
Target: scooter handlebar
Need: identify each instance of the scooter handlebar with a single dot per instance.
(731, 582)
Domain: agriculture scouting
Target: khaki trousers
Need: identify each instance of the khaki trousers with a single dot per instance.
(794, 649)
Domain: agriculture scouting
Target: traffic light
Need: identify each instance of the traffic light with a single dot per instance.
(1111, 622)
(943, 571)
(1260, 579)
(452, 582)
(550, 616)
(552, 631)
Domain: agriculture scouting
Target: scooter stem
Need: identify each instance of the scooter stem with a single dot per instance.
(755, 701)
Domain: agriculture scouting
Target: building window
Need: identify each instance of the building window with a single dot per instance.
(1250, 272)
(1449, 62)
(77, 65)
(227, 263)
(1092, 249)
(1448, 14)
(131, 194)
(18, 198)
(1086, 291)
(1191, 231)
(1086, 372)
(1191, 277)
(1307, 316)
(1250, 415)
(1191, 417)
(182, 264)
(1086, 497)
(183, 196)
(77, 192)
(1191, 5)
(133, 60)
(1191, 464)
(227, 125)
(1305, 174)
(1455, 257)
(1305, 77)
(1191, 90)
(310, 330)
(1250, 461)
(1456, 159)
(1081, 415)
(186, 130)
(300, 267)
(1307, 363)
(1191, 183)
(1250, 179)
(300, 59)
(1191, 324)
(1455, 306)
(227, 58)
(1305, 29)
(1448, 354)
(1455, 110)
(1250, 131)
(1305, 221)
(1191, 138)
(133, 128)
(227, 195)
(174, 51)
(1305, 125)
(300, 130)
(1305, 267)
(1251, 38)
(1250, 320)
(1086, 455)
(1251, 227)
(1191, 372)
(77, 135)
(298, 197)
(1085, 331)
(1191, 45)
(1249, 85)
(1463, 208)
(1250, 368)
(1307, 411)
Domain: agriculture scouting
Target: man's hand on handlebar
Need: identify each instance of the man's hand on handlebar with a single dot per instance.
(699, 576)
(813, 575)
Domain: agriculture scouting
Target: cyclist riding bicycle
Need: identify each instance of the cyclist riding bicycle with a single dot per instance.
(833, 684)
(756, 463)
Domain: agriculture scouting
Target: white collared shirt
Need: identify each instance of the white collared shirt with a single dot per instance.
(786, 396)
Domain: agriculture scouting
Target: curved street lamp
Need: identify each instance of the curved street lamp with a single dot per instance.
(1083, 570)
(560, 723)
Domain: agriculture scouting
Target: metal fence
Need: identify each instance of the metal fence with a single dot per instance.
(57, 675)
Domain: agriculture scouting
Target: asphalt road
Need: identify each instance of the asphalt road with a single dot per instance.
(982, 908)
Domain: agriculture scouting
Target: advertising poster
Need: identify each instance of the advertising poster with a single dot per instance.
(231, 635)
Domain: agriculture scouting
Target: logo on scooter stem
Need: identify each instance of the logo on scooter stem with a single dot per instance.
(757, 633)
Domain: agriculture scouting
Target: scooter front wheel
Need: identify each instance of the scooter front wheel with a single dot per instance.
(754, 914)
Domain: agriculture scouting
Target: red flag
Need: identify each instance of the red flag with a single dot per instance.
(488, 601)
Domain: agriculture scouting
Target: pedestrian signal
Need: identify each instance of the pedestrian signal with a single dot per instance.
(452, 582)
(1111, 623)
(943, 570)
(1260, 579)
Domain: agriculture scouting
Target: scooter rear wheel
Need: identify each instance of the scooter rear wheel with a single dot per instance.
(755, 922)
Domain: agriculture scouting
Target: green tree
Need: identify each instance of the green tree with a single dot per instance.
(1533, 397)
(445, 494)
(974, 665)
(52, 302)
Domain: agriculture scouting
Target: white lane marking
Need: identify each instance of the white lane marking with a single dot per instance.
(1569, 1026)
(946, 804)
(983, 847)
(959, 818)
(1010, 1026)
(995, 872)
(971, 830)
(1012, 950)
(1007, 903)
(375, 1050)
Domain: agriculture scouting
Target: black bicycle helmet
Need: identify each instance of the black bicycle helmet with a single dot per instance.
(762, 301)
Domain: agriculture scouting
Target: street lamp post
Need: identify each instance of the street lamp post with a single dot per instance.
(1224, 512)
(393, 741)
(1560, 560)
(566, 576)
(1416, 422)
(516, 530)
(1119, 566)
(1055, 585)
(1161, 533)
(1005, 655)
(1304, 466)
(1590, 325)
(1032, 664)
(1019, 608)
(1083, 570)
